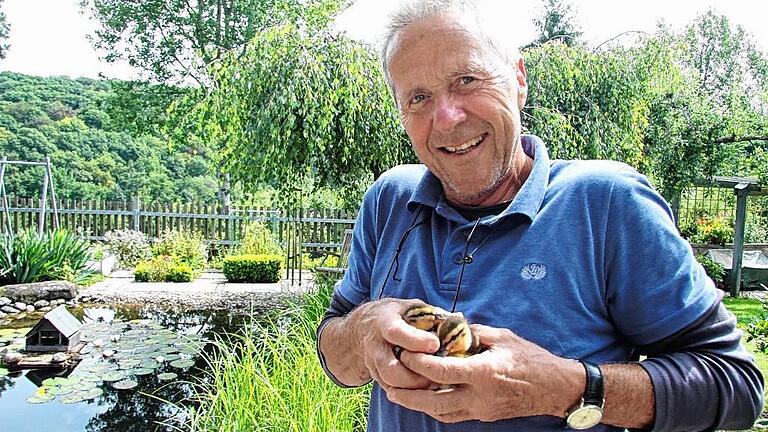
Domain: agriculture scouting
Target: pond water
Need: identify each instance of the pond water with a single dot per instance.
(152, 405)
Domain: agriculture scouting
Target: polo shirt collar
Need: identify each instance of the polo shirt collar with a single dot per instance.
(527, 202)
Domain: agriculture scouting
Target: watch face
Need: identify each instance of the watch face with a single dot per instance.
(585, 417)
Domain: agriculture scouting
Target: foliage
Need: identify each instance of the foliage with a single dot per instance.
(270, 379)
(184, 247)
(714, 270)
(162, 268)
(708, 230)
(180, 273)
(252, 268)
(5, 30)
(258, 240)
(128, 246)
(588, 105)
(556, 23)
(757, 331)
(301, 109)
(175, 41)
(103, 138)
(31, 257)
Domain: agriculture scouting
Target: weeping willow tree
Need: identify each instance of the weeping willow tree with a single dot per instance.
(297, 109)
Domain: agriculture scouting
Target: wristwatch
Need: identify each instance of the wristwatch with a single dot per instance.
(589, 411)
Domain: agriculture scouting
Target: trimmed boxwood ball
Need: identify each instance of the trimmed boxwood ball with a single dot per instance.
(179, 273)
(252, 268)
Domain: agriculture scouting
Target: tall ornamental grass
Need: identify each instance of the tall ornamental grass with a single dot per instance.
(271, 380)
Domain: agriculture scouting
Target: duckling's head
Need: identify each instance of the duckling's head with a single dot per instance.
(456, 338)
(423, 316)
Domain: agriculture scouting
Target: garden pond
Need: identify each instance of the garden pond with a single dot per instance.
(135, 373)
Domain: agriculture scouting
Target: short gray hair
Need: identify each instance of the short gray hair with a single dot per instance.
(413, 11)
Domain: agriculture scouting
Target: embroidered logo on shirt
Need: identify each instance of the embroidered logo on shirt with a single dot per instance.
(533, 271)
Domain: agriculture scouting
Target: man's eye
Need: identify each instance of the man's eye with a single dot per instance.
(417, 99)
(467, 80)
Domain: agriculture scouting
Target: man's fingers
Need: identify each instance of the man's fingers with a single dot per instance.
(443, 370)
(434, 403)
(490, 336)
(392, 372)
(399, 333)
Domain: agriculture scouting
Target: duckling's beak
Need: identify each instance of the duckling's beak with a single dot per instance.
(442, 352)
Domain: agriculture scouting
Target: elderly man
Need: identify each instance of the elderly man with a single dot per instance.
(570, 270)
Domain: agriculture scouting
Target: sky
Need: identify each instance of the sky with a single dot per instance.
(49, 37)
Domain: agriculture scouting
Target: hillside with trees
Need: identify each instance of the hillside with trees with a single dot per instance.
(104, 139)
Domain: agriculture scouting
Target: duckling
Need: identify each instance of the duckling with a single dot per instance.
(424, 317)
(457, 338)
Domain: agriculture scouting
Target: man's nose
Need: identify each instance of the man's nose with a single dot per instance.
(448, 113)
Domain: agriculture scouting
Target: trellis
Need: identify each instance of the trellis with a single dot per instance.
(742, 188)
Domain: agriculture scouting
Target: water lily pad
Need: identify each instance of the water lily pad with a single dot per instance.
(40, 399)
(3, 372)
(167, 376)
(182, 363)
(56, 390)
(71, 398)
(113, 376)
(129, 363)
(150, 364)
(91, 393)
(125, 384)
(142, 371)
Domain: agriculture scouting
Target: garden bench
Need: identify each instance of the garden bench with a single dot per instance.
(342, 254)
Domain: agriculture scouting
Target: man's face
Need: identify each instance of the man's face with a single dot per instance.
(460, 105)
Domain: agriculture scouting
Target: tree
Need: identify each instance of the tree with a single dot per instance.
(299, 108)
(175, 41)
(557, 22)
(5, 29)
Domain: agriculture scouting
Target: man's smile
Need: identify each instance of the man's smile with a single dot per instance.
(466, 147)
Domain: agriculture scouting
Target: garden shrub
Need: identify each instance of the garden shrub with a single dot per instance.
(184, 247)
(163, 269)
(757, 331)
(128, 246)
(252, 268)
(180, 273)
(30, 257)
(714, 270)
(258, 240)
(708, 230)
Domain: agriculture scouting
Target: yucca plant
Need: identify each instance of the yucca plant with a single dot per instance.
(31, 257)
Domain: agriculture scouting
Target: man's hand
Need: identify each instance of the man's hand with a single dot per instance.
(513, 378)
(359, 346)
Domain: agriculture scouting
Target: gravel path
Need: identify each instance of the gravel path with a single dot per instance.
(210, 291)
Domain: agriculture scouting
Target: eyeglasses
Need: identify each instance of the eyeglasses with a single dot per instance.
(466, 258)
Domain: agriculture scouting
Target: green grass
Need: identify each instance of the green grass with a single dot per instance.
(745, 309)
(270, 380)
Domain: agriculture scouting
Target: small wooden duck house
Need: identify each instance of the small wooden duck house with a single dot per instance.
(58, 330)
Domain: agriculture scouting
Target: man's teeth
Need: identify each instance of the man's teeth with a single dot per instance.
(471, 143)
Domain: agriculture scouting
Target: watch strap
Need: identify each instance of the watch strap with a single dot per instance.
(593, 393)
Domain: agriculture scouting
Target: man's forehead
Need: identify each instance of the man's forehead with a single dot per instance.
(440, 49)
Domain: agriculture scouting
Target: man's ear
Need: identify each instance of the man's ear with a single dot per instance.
(522, 84)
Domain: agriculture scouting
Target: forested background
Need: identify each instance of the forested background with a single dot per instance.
(255, 100)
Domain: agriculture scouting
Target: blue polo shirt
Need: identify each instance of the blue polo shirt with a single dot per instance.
(585, 262)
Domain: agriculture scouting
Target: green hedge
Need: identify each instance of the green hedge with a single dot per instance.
(252, 268)
(162, 269)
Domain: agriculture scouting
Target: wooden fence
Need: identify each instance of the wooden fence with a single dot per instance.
(313, 229)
